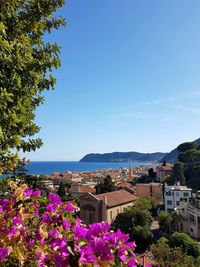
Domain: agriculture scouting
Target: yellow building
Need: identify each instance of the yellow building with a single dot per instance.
(104, 207)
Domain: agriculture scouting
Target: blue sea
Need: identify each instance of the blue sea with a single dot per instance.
(47, 167)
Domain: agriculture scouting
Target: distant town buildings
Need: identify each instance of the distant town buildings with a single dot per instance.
(173, 195)
(104, 207)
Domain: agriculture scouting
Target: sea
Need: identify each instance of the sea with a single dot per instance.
(48, 167)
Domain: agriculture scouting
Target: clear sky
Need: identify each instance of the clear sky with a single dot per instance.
(129, 80)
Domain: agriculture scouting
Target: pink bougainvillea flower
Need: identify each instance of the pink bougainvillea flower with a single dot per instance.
(54, 199)
(4, 252)
(87, 255)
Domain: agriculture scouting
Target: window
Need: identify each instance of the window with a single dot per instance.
(117, 211)
(111, 215)
(177, 203)
(185, 194)
(177, 194)
(191, 217)
(169, 202)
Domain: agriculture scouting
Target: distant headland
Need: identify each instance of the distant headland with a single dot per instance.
(123, 157)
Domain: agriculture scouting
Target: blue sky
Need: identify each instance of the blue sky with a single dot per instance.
(129, 79)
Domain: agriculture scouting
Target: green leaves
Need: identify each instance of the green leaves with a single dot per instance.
(25, 63)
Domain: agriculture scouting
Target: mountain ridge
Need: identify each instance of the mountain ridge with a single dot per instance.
(123, 157)
(172, 156)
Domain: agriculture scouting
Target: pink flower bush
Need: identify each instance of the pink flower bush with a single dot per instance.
(42, 232)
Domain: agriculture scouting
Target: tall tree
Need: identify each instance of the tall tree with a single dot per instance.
(178, 173)
(26, 61)
(106, 186)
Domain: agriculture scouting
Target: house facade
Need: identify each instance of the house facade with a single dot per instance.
(174, 194)
(154, 190)
(163, 171)
(104, 207)
(190, 213)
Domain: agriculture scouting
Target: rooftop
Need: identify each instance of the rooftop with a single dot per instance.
(117, 198)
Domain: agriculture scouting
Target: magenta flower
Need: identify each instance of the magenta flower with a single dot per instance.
(101, 249)
(56, 235)
(66, 224)
(132, 263)
(69, 208)
(17, 220)
(87, 255)
(54, 199)
(36, 193)
(28, 192)
(4, 252)
(97, 229)
(80, 232)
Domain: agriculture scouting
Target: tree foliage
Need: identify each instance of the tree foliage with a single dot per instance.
(178, 173)
(137, 215)
(186, 146)
(142, 236)
(168, 222)
(188, 245)
(106, 186)
(26, 62)
(173, 257)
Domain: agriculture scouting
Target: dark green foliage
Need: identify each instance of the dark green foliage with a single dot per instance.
(142, 236)
(187, 244)
(190, 156)
(151, 173)
(146, 203)
(106, 186)
(178, 173)
(4, 187)
(35, 182)
(164, 220)
(25, 65)
(123, 221)
(168, 222)
(172, 257)
(186, 146)
(63, 190)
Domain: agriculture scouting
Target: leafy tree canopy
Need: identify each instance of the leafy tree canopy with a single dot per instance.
(186, 146)
(26, 62)
(106, 186)
(178, 173)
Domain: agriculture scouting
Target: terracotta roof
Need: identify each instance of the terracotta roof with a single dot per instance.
(117, 198)
(86, 188)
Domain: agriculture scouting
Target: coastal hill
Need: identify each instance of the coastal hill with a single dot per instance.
(123, 157)
(173, 155)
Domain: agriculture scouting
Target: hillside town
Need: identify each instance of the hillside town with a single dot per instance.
(125, 188)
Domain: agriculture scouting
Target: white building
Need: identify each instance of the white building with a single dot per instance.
(173, 194)
(190, 213)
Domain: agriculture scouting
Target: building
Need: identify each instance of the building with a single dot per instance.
(154, 190)
(190, 213)
(173, 194)
(77, 190)
(162, 171)
(104, 207)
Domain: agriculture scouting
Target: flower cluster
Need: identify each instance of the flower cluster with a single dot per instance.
(44, 231)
